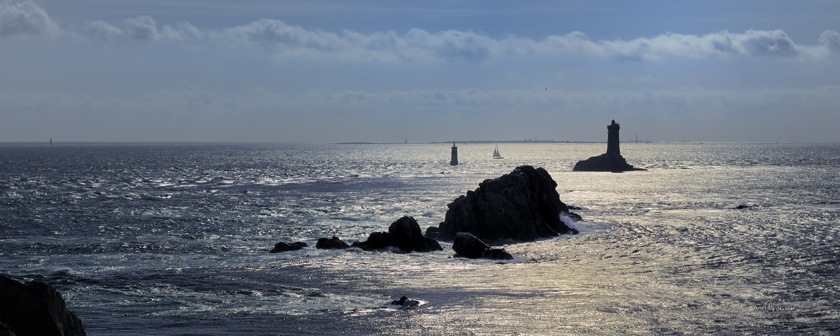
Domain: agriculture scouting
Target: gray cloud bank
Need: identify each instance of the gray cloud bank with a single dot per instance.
(417, 45)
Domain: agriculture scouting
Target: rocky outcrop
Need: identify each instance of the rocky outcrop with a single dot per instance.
(331, 243)
(611, 161)
(522, 205)
(283, 247)
(36, 308)
(604, 163)
(404, 234)
(404, 302)
(467, 245)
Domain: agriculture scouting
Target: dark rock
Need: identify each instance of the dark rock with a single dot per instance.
(283, 247)
(404, 234)
(36, 308)
(408, 237)
(331, 243)
(405, 302)
(604, 163)
(523, 205)
(376, 241)
(496, 253)
(432, 232)
(468, 245)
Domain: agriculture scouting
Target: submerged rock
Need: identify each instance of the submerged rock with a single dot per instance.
(405, 302)
(35, 308)
(404, 234)
(331, 243)
(522, 205)
(283, 247)
(468, 245)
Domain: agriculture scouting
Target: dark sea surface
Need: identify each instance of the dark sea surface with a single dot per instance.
(173, 239)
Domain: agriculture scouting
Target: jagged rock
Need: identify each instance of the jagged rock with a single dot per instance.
(404, 234)
(468, 245)
(523, 205)
(36, 308)
(331, 243)
(283, 247)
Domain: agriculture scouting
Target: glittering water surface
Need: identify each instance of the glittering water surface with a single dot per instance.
(172, 239)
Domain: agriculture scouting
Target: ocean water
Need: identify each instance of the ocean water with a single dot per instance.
(173, 239)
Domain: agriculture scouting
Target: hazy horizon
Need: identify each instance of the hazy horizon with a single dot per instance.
(368, 71)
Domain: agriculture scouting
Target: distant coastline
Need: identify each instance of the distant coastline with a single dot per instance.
(528, 141)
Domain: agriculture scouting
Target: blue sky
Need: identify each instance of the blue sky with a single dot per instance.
(321, 71)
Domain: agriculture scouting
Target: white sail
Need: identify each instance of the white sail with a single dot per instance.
(496, 154)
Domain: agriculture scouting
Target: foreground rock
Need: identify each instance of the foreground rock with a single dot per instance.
(467, 245)
(331, 243)
(523, 205)
(36, 308)
(404, 234)
(283, 247)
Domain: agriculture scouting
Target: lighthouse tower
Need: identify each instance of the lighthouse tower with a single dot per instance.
(612, 140)
(454, 161)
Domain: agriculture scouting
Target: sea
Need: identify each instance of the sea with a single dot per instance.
(174, 239)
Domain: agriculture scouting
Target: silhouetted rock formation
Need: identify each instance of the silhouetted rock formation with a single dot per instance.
(611, 161)
(605, 163)
(36, 308)
(467, 245)
(523, 205)
(331, 243)
(283, 247)
(404, 302)
(404, 234)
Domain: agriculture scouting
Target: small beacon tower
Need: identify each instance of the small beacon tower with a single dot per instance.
(454, 161)
(612, 140)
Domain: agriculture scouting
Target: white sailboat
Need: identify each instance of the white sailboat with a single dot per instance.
(496, 154)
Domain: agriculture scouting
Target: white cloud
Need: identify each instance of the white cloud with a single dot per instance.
(831, 40)
(141, 28)
(102, 30)
(25, 18)
(418, 45)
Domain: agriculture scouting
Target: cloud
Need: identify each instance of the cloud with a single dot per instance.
(102, 30)
(141, 28)
(25, 18)
(282, 40)
(831, 40)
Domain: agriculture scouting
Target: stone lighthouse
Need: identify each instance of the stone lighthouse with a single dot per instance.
(612, 140)
(454, 161)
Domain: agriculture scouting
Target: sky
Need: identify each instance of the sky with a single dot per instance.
(390, 71)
